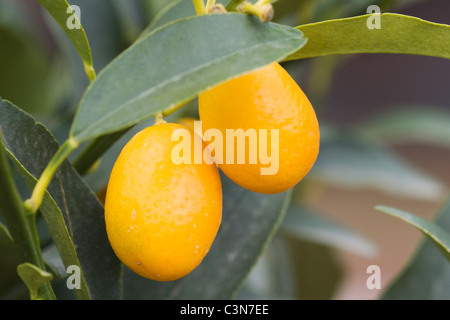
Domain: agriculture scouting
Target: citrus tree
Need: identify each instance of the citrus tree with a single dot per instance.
(156, 66)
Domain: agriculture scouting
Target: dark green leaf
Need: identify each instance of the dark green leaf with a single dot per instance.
(318, 270)
(173, 64)
(249, 222)
(31, 147)
(398, 34)
(433, 231)
(21, 225)
(427, 277)
(273, 277)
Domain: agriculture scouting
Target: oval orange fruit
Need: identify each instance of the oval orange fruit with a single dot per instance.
(275, 123)
(161, 217)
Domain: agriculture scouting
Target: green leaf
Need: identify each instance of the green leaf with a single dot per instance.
(398, 34)
(273, 276)
(427, 276)
(432, 230)
(74, 216)
(354, 160)
(34, 278)
(249, 222)
(135, 86)
(411, 124)
(301, 222)
(21, 225)
(318, 269)
(172, 11)
(61, 11)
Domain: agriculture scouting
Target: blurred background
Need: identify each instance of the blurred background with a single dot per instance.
(385, 124)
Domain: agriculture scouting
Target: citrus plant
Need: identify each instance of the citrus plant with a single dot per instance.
(115, 177)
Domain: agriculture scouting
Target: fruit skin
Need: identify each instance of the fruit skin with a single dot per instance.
(267, 98)
(161, 218)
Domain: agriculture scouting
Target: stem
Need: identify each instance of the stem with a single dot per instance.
(209, 4)
(199, 7)
(159, 118)
(63, 152)
(262, 9)
(90, 72)
(21, 223)
(92, 153)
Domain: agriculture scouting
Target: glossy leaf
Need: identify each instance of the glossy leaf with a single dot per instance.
(63, 14)
(319, 271)
(135, 86)
(432, 230)
(427, 276)
(73, 214)
(397, 34)
(249, 222)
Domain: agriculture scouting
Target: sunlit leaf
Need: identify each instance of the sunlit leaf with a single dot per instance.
(398, 33)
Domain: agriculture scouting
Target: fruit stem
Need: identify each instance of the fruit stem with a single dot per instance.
(90, 71)
(209, 5)
(262, 9)
(199, 7)
(159, 118)
(33, 204)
